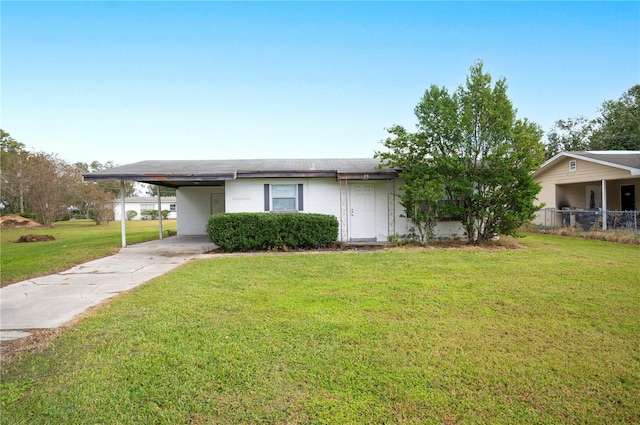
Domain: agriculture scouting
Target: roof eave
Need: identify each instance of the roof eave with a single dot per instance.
(159, 178)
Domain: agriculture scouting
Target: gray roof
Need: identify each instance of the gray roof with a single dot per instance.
(215, 172)
(629, 159)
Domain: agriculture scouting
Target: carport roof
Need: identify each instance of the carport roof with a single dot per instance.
(214, 172)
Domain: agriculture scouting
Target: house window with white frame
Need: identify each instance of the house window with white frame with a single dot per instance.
(573, 165)
(148, 207)
(284, 197)
(172, 207)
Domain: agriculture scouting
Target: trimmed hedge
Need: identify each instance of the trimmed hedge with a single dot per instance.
(267, 231)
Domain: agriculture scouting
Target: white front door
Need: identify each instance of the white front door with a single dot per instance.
(362, 222)
(217, 203)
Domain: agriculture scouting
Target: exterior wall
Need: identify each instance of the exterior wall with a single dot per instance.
(585, 172)
(136, 206)
(444, 230)
(195, 208)
(320, 196)
(562, 188)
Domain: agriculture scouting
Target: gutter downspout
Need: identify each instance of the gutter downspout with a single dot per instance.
(123, 216)
(159, 213)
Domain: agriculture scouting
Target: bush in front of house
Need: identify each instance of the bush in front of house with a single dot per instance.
(265, 231)
(149, 214)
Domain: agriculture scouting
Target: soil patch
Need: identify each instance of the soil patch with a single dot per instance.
(18, 222)
(36, 238)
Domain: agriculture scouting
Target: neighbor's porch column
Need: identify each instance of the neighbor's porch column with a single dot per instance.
(159, 212)
(604, 205)
(123, 215)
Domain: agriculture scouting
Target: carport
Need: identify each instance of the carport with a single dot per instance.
(183, 173)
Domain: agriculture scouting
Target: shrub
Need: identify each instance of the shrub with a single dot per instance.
(149, 214)
(264, 231)
(165, 214)
(131, 214)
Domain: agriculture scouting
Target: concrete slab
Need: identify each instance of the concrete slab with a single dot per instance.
(49, 301)
(10, 335)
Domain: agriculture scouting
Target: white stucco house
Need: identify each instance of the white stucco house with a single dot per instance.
(356, 191)
(139, 204)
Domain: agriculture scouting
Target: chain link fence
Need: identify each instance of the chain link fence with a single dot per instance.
(590, 219)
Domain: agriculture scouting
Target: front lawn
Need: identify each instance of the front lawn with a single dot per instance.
(77, 241)
(546, 334)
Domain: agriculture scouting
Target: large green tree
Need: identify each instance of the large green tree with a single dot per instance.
(572, 134)
(619, 125)
(470, 158)
(617, 128)
(13, 159)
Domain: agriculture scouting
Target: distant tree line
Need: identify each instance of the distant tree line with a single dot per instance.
(617, 128)
(42, 186)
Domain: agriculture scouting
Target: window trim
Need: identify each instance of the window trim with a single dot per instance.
(573, 165)
(145, 207)
(298, 198)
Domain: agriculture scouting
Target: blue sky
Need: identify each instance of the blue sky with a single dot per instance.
(129, 81)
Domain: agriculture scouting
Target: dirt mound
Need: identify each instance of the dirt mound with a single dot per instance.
(36, 238)
(17, 222)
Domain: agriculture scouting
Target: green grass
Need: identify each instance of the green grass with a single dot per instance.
(77, 241)
(547, 334)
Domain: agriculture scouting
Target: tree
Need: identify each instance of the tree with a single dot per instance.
(618, 128)
(619, 125)
(95, 202)
(49, 186)
(152, 190)
(423, 189)
(107, 186)
(471, 157)
(572, 134)
(12, 163)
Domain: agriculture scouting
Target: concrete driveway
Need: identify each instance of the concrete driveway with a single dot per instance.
(49, 301)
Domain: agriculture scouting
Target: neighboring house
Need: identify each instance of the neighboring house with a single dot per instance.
(139, 204)
(588, 183)
(356, 191)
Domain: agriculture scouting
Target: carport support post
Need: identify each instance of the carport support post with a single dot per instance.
(604, 205)
(123, 215)
(159, 213)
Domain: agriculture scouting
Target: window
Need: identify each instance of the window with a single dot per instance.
(172, 207)
(283, 197)
(147, 207)
(573, 165)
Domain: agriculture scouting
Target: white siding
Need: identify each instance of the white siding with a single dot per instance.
(320, 196)
(136, 206)
(195, 209)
